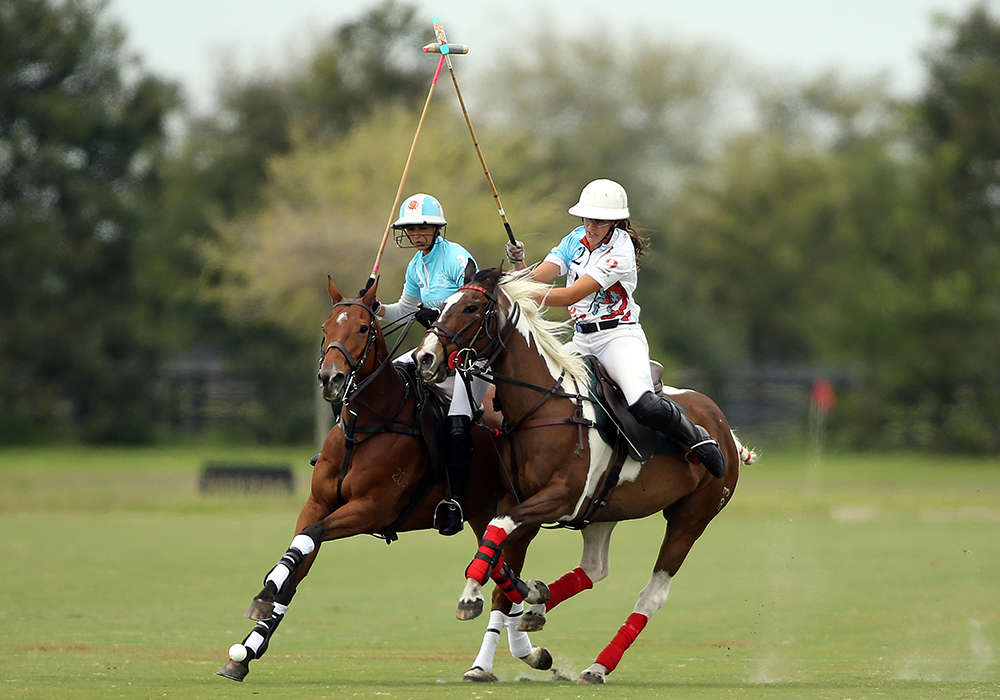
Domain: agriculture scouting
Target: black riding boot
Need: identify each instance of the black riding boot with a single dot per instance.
(448, 514)
(662, 414)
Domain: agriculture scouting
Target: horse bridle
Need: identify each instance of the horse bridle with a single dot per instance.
(466, 354)
(355, 364)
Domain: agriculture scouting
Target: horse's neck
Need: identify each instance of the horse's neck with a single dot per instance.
(526, 364)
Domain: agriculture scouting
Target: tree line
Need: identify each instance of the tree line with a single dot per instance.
(839, 227)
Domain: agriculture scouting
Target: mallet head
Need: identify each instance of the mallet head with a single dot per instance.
(436, 47)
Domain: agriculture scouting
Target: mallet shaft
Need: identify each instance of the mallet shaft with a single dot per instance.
(406, 170)
(439, 33)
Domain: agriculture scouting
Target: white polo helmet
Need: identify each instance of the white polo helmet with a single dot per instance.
(420, 209)
(602, 199)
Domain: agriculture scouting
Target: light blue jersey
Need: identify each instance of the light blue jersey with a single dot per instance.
(434, 277)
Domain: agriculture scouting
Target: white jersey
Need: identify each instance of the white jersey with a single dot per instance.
(612, 264)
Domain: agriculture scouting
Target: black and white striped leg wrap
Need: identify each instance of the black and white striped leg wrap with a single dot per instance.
(301, 547)
(256, 642)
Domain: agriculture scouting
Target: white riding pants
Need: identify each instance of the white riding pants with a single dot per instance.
(460, 405)
(624, 352)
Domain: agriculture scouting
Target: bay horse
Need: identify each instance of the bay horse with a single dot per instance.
(375, 475)
(563, 468)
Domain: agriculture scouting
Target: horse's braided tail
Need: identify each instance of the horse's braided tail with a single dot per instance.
(747, 455)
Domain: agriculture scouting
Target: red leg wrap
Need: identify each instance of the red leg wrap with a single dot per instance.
(627, 633)
(567, 586)
(504, 578)
(488, 555)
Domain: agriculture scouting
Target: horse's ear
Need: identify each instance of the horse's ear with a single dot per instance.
(335, 296)
(369, 295)
(470, 270)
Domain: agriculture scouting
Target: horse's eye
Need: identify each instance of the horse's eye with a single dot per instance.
(470, 309)
(364, 329)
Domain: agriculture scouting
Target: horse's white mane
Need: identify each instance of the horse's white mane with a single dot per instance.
(521, 289)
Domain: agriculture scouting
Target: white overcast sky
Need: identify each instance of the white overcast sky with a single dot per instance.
(185, 39)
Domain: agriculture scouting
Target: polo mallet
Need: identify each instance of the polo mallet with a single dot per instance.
(445, 49)
(406, 170)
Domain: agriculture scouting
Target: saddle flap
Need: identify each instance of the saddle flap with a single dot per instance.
(640, 440)
(431, 403)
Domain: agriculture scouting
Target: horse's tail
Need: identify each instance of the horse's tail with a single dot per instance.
(747, 455)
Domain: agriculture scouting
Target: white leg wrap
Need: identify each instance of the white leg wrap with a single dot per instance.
(254, 642)
(278, 576)
(488, 650)
(280, 609)
(304, 544)
(518, 641)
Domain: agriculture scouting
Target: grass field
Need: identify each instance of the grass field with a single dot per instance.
(841, 577)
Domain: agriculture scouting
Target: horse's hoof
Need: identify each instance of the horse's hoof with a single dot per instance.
(478, 675)
(234, 670)
(589, 677)
(539, 659)
(538, 592)
(531, 622)
(469, 609)
(260, 609)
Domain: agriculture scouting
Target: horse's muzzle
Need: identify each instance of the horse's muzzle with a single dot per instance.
(333, 384)
(430, 368)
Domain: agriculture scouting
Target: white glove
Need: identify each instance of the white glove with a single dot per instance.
(515, 252)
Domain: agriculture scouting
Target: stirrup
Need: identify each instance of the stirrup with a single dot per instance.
(718, 471)
(444, 513)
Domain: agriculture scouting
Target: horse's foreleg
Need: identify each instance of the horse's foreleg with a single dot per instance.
(271, 604)
(519, 642)
(547, 505)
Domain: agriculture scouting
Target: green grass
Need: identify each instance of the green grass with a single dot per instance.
(841, 576)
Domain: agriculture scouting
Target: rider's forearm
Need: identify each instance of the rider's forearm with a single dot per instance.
(405, 305)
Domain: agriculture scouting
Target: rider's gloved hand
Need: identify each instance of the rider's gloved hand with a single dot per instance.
(515, 252)
(425, 316)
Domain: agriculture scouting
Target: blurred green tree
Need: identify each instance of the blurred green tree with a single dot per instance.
(933, 380)
(81, 146)
(217, 176)
(765, 260)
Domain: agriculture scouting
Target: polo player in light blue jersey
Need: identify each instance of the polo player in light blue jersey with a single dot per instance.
(435, 272)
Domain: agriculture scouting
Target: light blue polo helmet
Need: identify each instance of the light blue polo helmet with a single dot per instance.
(420, 209)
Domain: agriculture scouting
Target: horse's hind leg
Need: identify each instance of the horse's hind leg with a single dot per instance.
(594, 567)
(687, 519)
